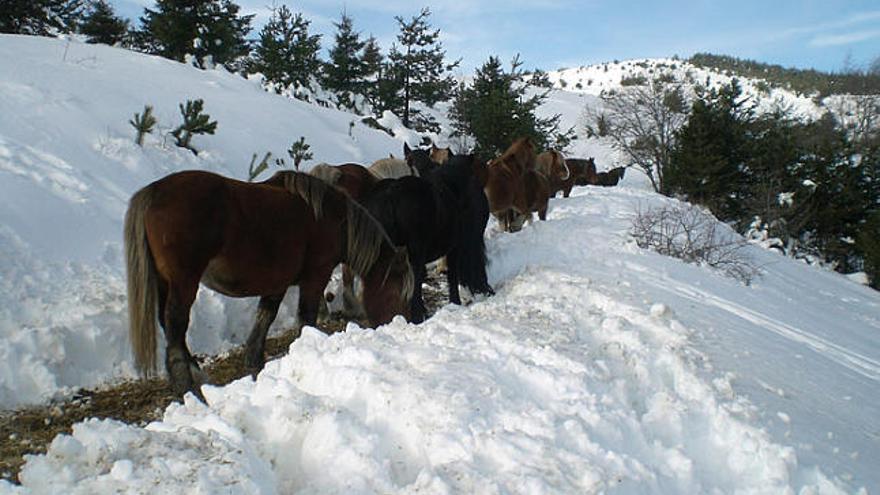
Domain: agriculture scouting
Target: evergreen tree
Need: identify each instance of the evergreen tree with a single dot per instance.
(286, 54)
(101, 25)
(345, 71)
(706, 165)
(210, 30)
(39, 17)
(495, 110)
(419, 68)
(376, 88)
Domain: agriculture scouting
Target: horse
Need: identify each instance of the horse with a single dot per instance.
(552, 165)
(423, 215)
(504, 180)
(610, 177)
(583, 172)
(464, 174)
(392, 168)
(537, 189)
(246, 239)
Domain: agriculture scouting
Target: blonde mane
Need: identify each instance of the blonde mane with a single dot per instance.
(392, 168)
(365, 236)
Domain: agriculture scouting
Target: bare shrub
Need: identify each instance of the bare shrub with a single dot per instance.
(692, 234)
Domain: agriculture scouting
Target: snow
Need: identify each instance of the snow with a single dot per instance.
(597, 367)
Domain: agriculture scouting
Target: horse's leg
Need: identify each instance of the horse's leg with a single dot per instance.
(452, 276)
(311, 289)
(418, 312)
(567, 189)
(178, 360)
(254, 358)
(542, 212)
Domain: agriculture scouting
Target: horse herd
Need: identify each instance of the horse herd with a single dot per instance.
(383, 223)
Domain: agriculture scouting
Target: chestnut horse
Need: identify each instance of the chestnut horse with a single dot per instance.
(552, 164)
(537, 189)
(245, 239)
(504, 181)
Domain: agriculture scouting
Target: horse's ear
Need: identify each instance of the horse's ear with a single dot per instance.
(406, 149)
(434, 147)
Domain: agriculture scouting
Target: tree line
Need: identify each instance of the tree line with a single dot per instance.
(412, 75)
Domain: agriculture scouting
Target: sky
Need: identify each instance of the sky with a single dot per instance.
(551, 34)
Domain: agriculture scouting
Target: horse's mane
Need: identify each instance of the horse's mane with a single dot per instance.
(520, 154)
(365, 235)
(365, 238)
(311, 189)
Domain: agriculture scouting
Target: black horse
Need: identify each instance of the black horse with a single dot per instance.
(465, 175)
(611, 177)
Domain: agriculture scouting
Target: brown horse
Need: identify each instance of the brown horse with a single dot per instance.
(244, 239)
(537, 188)
(583, 172)
(552, 164)
(504, 181)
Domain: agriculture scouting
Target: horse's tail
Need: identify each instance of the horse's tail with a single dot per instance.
(472, 258)
(142, 284)
(561, 159)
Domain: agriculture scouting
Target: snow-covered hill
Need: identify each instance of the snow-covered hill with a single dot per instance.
(593, 79)
(68, 164)
(598, 367)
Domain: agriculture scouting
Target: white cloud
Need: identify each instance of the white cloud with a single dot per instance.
(844, 39)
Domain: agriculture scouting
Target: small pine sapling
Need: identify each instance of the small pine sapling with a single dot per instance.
(194, 122)
(143, 123)
(254, 171)
(299, 152)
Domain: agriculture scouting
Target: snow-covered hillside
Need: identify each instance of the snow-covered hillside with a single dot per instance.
(598, 367)
(593, 79)
(68, 165)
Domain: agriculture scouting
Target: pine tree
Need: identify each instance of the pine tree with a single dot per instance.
(344, 72)
(194, 122)
(101, 25)
(374, 62)
(706, 165)
(210, 30)
(286, 54)
(495, 110)
(419, 68)
(39, 17)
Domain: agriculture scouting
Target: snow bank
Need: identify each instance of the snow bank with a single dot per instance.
(578, 376)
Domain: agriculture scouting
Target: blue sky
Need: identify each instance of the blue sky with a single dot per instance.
(550, 34)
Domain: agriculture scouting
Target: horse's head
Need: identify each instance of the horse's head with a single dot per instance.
(419, 159)
(388, 287)
(440, 155)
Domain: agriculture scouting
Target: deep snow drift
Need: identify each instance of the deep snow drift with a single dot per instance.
(597, 367)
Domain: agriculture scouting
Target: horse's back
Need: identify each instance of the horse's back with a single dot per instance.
(391, 168)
